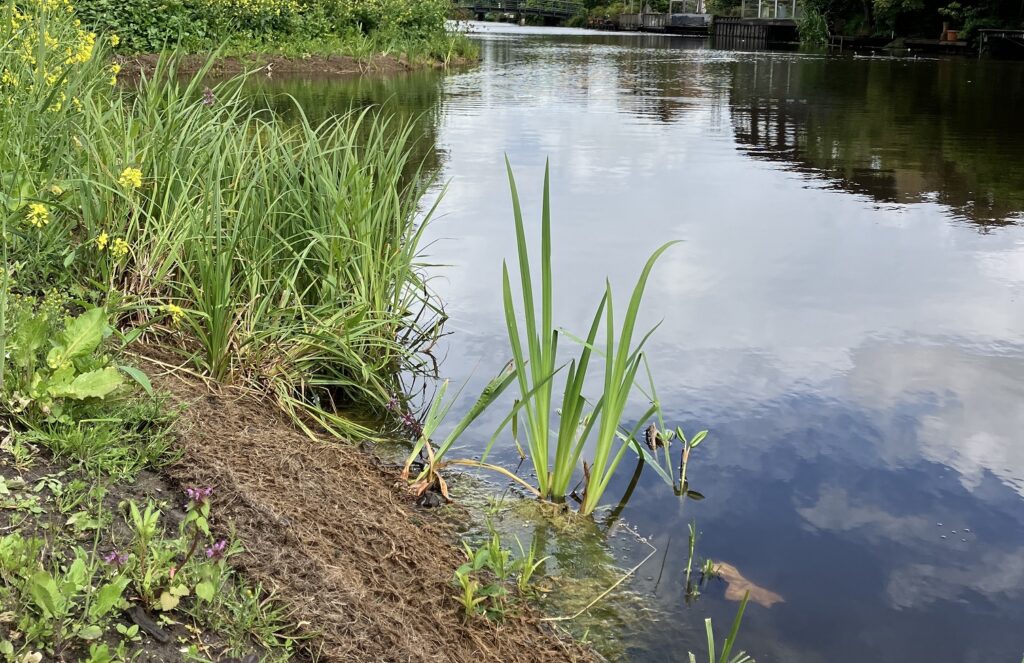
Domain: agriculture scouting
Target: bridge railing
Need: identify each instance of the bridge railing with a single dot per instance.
(542, 7)
(642, 21)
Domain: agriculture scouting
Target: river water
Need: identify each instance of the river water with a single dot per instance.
(845, 314)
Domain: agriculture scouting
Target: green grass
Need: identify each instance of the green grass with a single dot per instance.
(117, 441)
(445, 49)
(275, 255)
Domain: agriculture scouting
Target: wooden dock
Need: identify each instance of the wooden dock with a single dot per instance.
(1001, 43)
(681, 24)
(753, 33)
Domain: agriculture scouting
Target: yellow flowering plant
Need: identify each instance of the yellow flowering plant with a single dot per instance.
(38, 214)
(131, 178)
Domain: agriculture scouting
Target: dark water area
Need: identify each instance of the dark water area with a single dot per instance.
(845, 315)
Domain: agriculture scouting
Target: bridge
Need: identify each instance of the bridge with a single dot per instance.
(549, 9)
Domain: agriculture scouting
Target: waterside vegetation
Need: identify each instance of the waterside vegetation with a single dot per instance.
(179, 226)
(411, 29)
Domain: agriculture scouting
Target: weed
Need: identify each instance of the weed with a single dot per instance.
(132, 435)
(482, 579)
(730, 641)
(65, 604)
(53, 365)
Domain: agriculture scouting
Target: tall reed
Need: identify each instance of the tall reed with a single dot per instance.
(534, 346)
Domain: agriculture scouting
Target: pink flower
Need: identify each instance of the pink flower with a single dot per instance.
(216, 551)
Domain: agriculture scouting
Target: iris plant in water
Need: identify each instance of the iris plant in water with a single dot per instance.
(556, 453)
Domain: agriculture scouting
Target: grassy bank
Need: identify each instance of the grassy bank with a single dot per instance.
(274, 256)
(411, 30)
(265, 258)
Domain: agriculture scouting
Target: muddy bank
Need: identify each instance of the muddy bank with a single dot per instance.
(330, 531)
(313, 66)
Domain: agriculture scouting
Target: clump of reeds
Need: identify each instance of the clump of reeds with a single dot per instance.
(556, 451)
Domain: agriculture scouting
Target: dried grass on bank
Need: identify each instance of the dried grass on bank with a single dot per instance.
(325, 527)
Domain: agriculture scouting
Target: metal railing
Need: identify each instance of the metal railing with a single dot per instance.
(557, 8)
(642, 21)
(775, 9)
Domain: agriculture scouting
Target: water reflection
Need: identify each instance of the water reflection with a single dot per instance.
(411, 99)
(834, 316)
(898, 130)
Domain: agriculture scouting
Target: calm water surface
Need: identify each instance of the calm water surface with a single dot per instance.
(844, 314)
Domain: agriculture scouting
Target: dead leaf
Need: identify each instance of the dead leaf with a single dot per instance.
(737, 586)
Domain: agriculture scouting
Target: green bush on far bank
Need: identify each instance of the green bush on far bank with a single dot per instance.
(352, 27)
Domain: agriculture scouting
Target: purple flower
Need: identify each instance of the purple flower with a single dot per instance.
(199, 495)
(115, 558)
(208, 98)
(411, 425)
(216, 551)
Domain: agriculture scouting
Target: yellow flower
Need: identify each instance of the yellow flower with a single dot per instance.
(175, 312)
(114, 40)
(130, 177)
(119, 248)
(38, 215)
(56, 190)
(102, 241)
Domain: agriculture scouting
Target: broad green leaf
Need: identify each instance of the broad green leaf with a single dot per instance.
(94, 384)
(108, 596)
(61, 378)
(179, 590)
(205, 591)
(79, 338)
(44, 592)
(29, 336)
(90, 632)
(77, 575)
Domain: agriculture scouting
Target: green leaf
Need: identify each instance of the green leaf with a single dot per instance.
(205, 591)
(108, 596)
(179, 590)
(698, 438)
(139, 377)
(82, 336)
(168, 601)
(90, 632)
(29, 336)
(94, 384)
(44, 592)
(77, 575)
